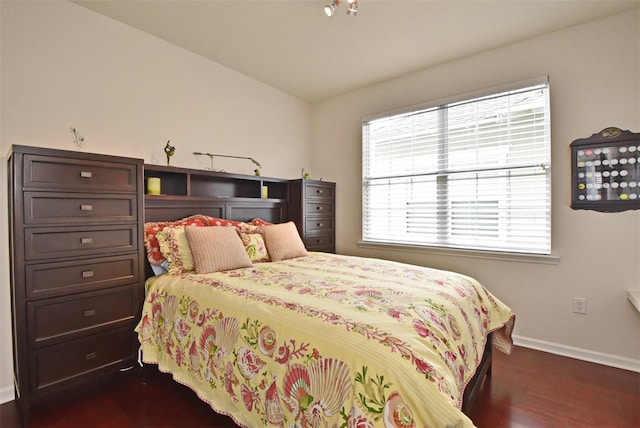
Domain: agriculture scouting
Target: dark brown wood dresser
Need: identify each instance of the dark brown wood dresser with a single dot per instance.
(312, 208)
(76, 225)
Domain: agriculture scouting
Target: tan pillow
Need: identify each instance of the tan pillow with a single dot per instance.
(283, 241)
(216, 248)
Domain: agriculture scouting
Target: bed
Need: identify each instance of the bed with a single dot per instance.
(304, 339)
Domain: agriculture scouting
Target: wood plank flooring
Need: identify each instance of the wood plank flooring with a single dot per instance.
(527, 389)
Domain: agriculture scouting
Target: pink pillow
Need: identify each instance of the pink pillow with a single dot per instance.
(283, 241)
(216, 249)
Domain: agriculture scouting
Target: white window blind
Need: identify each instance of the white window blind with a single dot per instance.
(473, 174)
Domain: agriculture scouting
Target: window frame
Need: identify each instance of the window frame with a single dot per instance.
(496, 253)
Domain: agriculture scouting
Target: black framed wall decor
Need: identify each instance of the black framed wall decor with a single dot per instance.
(605, 171)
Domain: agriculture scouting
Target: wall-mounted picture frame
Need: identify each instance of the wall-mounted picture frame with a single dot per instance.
(605, 171)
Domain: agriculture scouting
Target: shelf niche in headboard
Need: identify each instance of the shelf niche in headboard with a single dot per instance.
(184, 192)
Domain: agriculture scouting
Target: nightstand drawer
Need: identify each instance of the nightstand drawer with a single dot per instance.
(86, 175)
(319, 208)
(78, 208)
(319, 190)
(54, 279)
(319, 224)
(43, 243)
(77, 361)
(314, 242)
(64, 318)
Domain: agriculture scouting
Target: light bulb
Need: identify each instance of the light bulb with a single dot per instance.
(330, 9)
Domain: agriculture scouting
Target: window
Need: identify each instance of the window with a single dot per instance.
(472, 174)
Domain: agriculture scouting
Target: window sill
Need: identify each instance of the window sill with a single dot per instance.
(476, 254)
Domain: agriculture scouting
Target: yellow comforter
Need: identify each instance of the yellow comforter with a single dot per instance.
(324, 341)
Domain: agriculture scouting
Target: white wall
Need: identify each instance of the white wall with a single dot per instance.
(594, 73)
(128, 93)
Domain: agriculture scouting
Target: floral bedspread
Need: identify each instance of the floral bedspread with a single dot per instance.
(323, 341)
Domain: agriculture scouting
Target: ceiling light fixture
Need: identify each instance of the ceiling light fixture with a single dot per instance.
(330, 9)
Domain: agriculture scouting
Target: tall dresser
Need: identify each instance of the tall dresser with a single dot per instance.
(76, 225)
(312, 207)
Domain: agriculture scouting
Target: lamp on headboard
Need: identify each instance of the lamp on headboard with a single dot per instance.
(211, 156)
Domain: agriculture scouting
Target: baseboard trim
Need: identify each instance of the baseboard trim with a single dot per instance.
(6, 394)
(578, 353)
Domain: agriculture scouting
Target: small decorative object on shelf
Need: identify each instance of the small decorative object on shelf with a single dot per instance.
(169, 150)
(305, 175)
(77, 138)
(605, 171)
(153, 186)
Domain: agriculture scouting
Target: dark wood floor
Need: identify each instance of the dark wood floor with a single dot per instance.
(527, 389)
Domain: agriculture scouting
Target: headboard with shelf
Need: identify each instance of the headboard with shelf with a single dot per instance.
(184, 192)
(310, 204)
(232, 196)
(213, 184)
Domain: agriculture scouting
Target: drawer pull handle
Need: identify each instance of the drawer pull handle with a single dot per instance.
(86, 240)
(320, 224)
(89, 312)
(319, 208)
(89, 356)
(86, 174)
(86, 207)
(87, 274)
(319, 191)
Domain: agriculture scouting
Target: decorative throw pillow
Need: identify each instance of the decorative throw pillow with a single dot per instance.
(283, 241)
(174, 246)
(215, 221)
(260, 222)
(216, 249)
(253, 242)
(154, 255)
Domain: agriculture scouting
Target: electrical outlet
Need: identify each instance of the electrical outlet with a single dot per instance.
(579, 305)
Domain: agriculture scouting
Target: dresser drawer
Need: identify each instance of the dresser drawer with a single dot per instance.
(315, 242)
(64, 318)
(54, 279)
(77, 361)
(319, 208)
(78, 208)
(43, 243)
(319, 190)
(319, 224)
(78, 174)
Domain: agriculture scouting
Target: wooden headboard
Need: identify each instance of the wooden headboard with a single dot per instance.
(169, 210)
(184, 192)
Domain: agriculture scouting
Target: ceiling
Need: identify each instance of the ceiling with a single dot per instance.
(291, 45)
